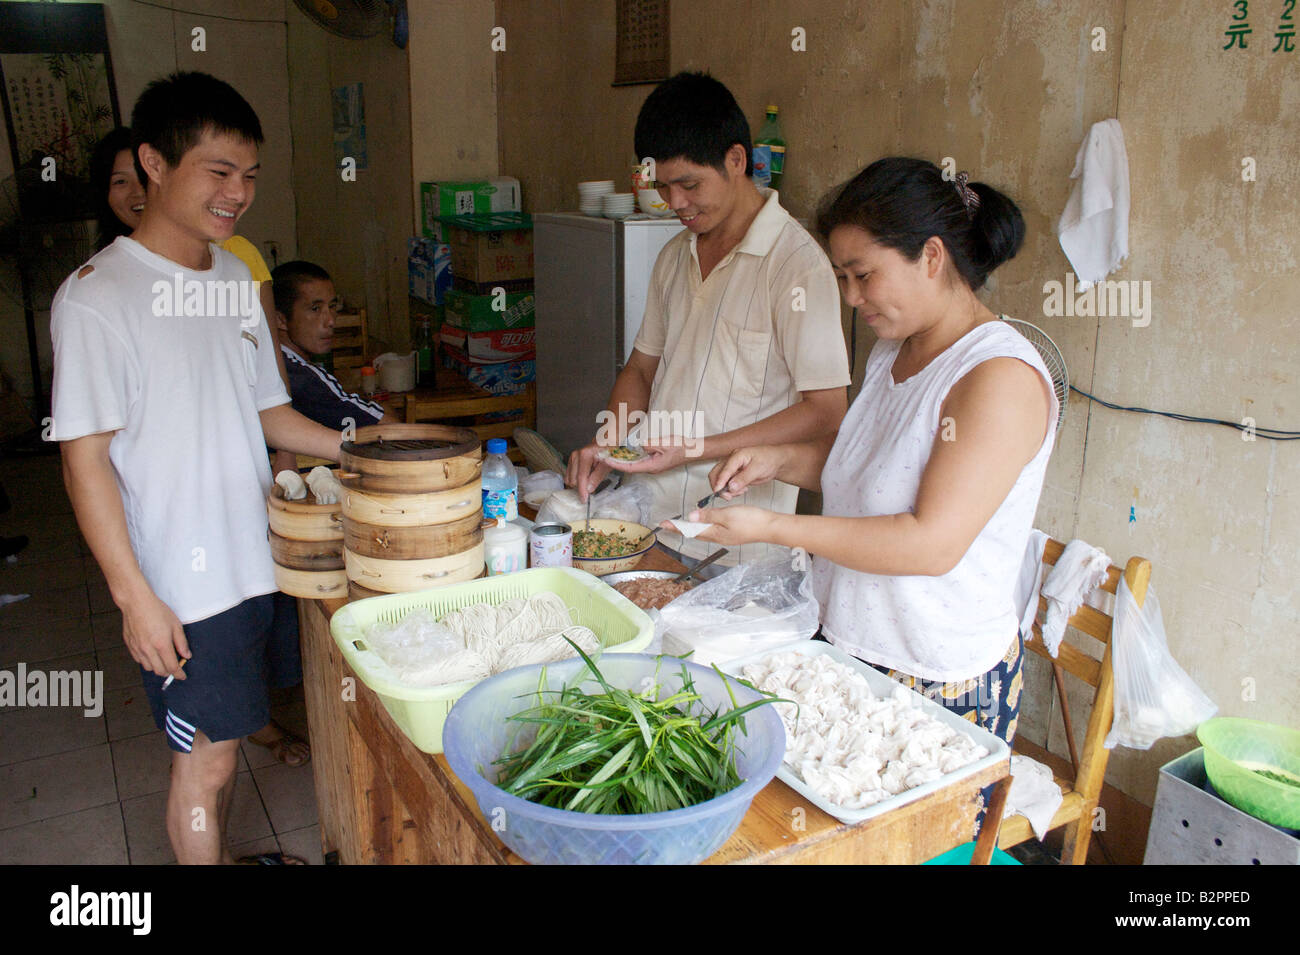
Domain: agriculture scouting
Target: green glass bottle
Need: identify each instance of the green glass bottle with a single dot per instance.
(772, 144)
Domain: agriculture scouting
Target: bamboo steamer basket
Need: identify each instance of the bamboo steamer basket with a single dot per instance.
(311, 584)
(357, 592)
(306, 555)
(412, 543)
(414, 510)
(401, 576)
(410, 458)
(303, 520)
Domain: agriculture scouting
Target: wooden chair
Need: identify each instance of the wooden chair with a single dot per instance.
(1083, 792)
(351, 347)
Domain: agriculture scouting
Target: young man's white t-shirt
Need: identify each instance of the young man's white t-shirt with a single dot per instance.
(181, 380)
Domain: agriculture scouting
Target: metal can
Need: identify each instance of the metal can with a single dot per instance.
(551, 545)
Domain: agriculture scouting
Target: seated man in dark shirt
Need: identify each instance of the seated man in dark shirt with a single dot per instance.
(305, 305)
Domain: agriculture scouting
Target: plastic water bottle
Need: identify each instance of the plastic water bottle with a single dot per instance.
(500, 483)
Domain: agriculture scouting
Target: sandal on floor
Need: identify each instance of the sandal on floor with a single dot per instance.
(269, 858)
(283, 748)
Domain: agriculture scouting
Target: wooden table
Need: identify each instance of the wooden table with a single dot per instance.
(381, 800)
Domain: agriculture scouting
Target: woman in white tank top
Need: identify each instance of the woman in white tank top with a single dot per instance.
(930, 487)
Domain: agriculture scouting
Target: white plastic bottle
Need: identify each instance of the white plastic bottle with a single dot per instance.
(505, 548)
(500, 483)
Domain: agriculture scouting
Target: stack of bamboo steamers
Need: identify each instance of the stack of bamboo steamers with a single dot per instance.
(410, 519)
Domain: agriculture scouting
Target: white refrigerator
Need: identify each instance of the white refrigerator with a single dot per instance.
(591, 276)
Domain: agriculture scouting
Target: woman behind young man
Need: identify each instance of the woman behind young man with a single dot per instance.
(931, 484)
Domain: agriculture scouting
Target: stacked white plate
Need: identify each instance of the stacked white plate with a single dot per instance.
(616, 205)
(591, 194)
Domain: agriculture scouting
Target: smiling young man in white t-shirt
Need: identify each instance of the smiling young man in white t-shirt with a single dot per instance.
(165, 396)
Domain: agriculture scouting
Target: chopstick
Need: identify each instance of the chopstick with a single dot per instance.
(702, 503)
(700, 566)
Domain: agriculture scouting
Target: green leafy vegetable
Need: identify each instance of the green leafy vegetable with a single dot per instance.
(624, 752)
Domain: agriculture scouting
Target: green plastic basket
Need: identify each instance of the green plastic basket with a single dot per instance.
(420, 712)
(1235, 749)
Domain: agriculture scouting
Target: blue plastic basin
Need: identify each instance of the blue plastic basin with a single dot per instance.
(477, 733)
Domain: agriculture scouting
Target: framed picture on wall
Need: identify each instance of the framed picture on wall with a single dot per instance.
(641, 51)
(56, 83)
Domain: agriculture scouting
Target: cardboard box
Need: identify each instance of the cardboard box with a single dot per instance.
(485, 288)
(501, 345)
(464, 198)
(499, 378)
(480, 313)
(428, 269)
(487, 251)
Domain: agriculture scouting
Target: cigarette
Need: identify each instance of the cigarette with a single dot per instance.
(168, 682)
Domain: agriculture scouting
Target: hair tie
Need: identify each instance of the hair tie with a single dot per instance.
(969, 198)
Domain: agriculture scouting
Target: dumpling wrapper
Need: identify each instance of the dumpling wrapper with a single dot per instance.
(690, 528)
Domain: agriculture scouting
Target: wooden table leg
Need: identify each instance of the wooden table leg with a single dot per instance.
(988, 838)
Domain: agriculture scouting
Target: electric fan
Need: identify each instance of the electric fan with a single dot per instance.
(1051, 356)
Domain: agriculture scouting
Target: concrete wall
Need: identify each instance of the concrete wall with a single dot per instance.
(1008, 89)
(453, 92)
(355, 229)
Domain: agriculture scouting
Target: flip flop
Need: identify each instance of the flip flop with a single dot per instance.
(269, 858)
(281, 747)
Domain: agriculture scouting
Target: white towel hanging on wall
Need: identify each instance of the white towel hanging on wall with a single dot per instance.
(1093, 229)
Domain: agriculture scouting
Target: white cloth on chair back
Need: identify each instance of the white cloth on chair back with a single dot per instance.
(1079, 570)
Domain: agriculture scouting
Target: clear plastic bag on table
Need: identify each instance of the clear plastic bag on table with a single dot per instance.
(1154, 697)
(536, 488)
(631, 503)
(423, 652)
(748, 609)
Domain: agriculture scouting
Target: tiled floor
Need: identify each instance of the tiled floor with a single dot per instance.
(78, 789)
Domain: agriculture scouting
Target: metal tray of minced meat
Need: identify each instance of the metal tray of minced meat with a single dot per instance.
(881, 685)
(623, 576)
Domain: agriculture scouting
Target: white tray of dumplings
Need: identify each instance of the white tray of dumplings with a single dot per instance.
(862, 744)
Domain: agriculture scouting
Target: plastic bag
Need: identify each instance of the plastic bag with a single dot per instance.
(536, 488)
(1154, 697)
(423, 652)
(631, 503)
(748, 609)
